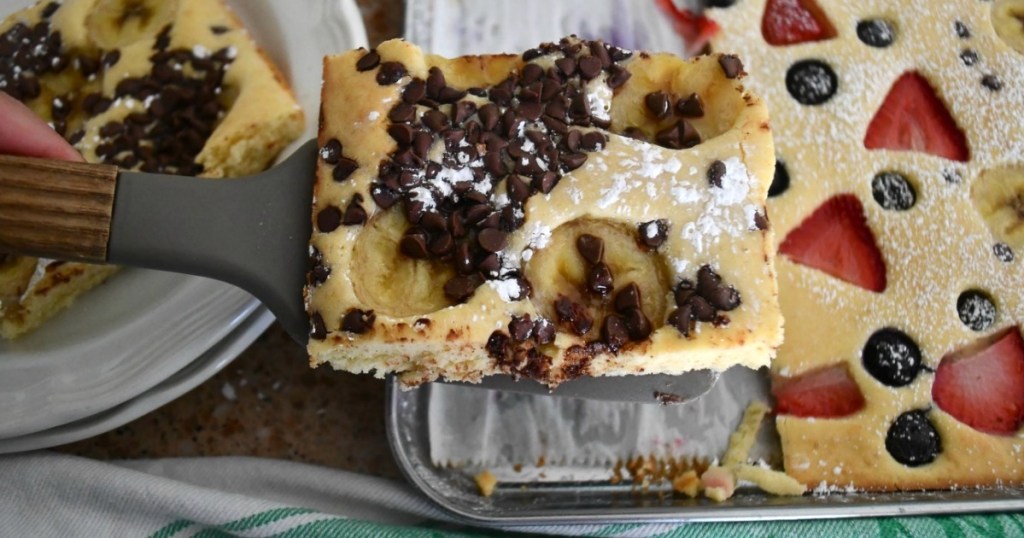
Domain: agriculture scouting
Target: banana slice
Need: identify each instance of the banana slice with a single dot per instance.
(560, 270)
(998, 195)
(1008, 20)
(391, 283)
(113, 24)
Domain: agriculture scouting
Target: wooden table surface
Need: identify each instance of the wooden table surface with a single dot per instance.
(268, 402)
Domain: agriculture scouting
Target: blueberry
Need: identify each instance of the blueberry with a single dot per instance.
(891, 357)
(1003, 252)
(811, 82)
(976, 310)
(892, 191)
(877, 33)
(912, 439)
(780, 182)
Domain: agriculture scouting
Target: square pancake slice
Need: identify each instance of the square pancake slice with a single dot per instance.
(898, 205)
(576, 210)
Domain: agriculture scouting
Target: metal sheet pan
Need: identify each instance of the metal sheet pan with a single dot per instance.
(544, 496)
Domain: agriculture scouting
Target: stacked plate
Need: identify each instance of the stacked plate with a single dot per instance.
(146, 337)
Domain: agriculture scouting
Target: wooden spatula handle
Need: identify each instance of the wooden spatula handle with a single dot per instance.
(56, 209)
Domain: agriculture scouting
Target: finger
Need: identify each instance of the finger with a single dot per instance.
(23, 133)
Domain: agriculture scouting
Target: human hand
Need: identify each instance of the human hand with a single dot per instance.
(23, 133)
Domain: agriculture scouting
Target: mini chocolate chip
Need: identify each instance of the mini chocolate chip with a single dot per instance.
(893, 191)
(572, 161)
(110, 58)
(679, 136)
(414, 245)
(461, 287)
(1003, 252)
(731, 64)
(657, 103)
(761, 220)
(725, 298)
(684, 290)
(600, 280)
(50, 9)
(520, 328)
(617, 76)
(574, 315)
(992, 82)
(518, 190)
(368, 61)
(682, 319)
(690, 107)
(811, 82)
(961, 29)
(600, 51)
(441, 244)
(358, 321)
(449, 94)
(653, 233)
(702, 309)
(390, 73)
(435, 82)
(383, 196)
(545, 182)
(435, 120)
(637, 324)
(402, 113)
(566, 65)
(354, 214)
(878, 33)
(402, 134)
(421, 143)
(462, 110)
(593, 141)
(490, 264)
(543, 331)
(328, 219)
(715, 173)
(591, 248)
(218, 29)
(589, 67)
(628, 298)
(331, 151)
(497, 346)
(433, 221)
(531, 73)
(344, 169)
(976, 310)
(414, 91)
(707, 281)
(492, 239)
(614, 332)
(533, 54)
(317, 330)
(969, 57)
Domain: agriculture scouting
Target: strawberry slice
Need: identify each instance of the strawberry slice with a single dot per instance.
(836, 239)
(913, 118)
(827, 392)
(788, 22)
(982, 385)
(695, 29)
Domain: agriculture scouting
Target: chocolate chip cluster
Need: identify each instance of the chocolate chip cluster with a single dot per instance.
(28, 53)
(183, 105)
(182, 95)
(704, 301)
(523, 133)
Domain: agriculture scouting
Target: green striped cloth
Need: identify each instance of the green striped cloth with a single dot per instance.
(47, 494)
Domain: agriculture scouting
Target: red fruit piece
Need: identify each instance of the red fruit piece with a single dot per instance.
(836, 239)
(695, 29)
(787, 22)
(827, 392)
(913, 118)
(982, 385)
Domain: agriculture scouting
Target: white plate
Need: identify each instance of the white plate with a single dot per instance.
(142, 327)
(201, 369)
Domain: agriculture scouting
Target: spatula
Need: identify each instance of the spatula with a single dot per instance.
(252, 232)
